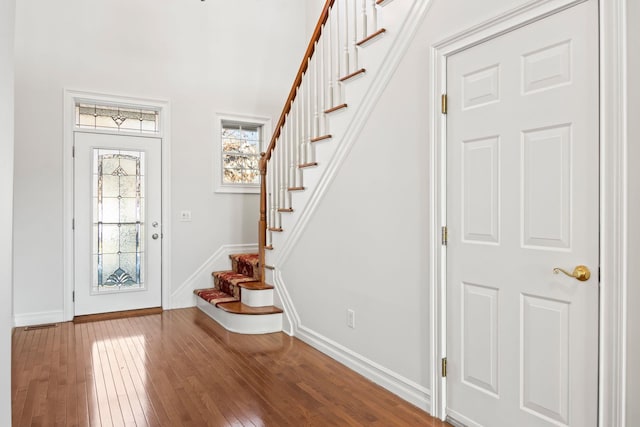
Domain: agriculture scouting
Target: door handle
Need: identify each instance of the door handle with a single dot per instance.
(580, 273)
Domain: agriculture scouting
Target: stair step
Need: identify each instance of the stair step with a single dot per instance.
(239, 308)
(369, 38)
(352, 75)
(321, 138)
(269, 247)
(229, 281)
(308, 165)
(246, 264)
(214, 296)
(278, 229)
(238, 320)
(285, 210)
(336, 108)
(255, 286)
(295, 188)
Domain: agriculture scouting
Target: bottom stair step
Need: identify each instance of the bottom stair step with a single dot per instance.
(243, 319)
(239, 308)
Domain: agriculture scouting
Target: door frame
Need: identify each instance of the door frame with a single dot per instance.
(71, 97)
(613, 179)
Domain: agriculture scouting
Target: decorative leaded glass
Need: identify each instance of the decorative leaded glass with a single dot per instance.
(241, 152)
(118, 220)
(116, 118)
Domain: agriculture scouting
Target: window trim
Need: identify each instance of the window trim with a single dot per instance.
(113, 101)
(218, 168)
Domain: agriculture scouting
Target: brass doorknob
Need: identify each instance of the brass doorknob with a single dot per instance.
(581, 272)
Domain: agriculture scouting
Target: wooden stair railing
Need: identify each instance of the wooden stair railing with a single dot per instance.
(331, 58)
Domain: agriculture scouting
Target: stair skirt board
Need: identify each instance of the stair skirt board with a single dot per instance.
(242, 323)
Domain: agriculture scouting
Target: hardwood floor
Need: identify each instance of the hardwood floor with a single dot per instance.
(180, 368)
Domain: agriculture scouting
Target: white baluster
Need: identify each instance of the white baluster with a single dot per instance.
(354, 36)
(323, 71)
(274, 190)
(364, 19)
(300, 135)
(345, 51)
(290, 152)
(337, 61)
(268, 178)
(330, 43)
(303, 119)
(270, 200)
(317, 56)
(276, 180)
(374, 16)
(309, 109)
(293, 178)
(282, 154)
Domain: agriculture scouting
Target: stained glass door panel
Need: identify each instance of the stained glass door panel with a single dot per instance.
(118, 204)
(117, 199)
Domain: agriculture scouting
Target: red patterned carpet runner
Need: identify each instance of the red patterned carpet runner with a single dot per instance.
(226, 283)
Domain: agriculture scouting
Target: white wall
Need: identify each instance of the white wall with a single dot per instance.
(7, 14)
(204, 57)
(366, 246)
(314, 8)
(633, 301)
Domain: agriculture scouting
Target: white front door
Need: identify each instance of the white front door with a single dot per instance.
(522, 199)
(117, 216)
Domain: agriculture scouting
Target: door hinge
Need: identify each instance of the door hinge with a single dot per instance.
(73, 296)
(73, 223)
(445, 235)
(444, 103)
(444, 367)
(73, 151)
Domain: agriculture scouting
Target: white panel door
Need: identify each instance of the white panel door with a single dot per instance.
(522, 199)
(117, 213)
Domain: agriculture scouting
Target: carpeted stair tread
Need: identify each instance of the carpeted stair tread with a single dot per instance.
(246, 264)
(214, 296)
(240, 308)
(229, 281)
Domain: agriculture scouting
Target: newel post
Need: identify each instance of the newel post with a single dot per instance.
(262, 223)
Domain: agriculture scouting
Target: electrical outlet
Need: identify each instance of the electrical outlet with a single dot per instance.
(185, 216)
(351, 318)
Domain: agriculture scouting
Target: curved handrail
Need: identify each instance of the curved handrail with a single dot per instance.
(266, 156)
(317, 32)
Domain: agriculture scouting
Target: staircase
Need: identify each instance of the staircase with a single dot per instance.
(239, 300)
(315, 117)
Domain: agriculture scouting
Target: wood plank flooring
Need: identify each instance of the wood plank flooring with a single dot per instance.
(180, 368)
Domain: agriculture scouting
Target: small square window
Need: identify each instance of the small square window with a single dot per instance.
(241, 140)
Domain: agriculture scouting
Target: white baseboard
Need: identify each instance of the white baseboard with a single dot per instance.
(292, 320)
(183, 296)
(403, 387)
(458, 420)
(40, 318)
